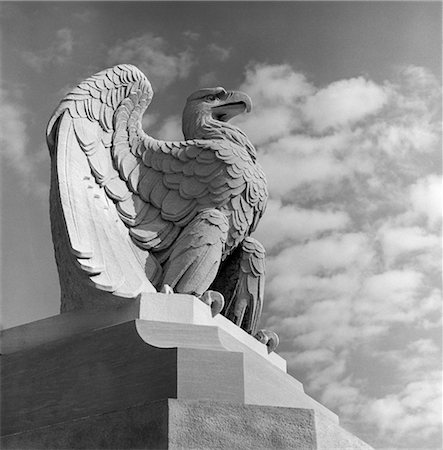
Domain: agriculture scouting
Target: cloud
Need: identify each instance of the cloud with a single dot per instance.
(305, 145)
(276, 92)
(344, 102)
(266, 124)
(286, 173)
(400, 242)
(16, 148)
(56, 54)
(395, 298)
(283, 223)
(325, 255)
(275, 85)
(426, 197)
(218, 52)
(315, 283)
(414, 411)
(154, 57)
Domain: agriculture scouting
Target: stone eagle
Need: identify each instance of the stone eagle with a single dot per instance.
(129, 212)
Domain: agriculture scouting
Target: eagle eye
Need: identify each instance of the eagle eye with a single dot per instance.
(211, 97)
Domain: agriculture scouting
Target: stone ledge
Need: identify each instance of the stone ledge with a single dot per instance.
(169, 308)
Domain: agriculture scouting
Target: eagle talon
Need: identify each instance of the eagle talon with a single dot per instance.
(269, 338)
(166, 289)
(215, 300)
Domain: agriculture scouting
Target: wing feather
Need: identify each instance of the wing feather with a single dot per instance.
(72, 190)
(94, 196)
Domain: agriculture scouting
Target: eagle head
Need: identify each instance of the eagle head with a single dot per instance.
(211, 108)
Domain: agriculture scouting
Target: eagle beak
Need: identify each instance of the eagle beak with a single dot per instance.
(232, 105)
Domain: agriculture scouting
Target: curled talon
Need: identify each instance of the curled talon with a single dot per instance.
(166, 289)
(215, 300)
(269, 338)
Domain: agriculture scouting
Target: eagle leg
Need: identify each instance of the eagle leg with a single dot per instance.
(246, 303)
(197, 253)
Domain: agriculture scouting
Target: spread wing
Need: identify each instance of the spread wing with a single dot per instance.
(126, 195)
(80, 135)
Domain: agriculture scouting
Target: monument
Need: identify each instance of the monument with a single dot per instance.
(157, 344)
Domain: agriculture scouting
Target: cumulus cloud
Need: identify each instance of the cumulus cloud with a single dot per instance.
(16, 148)
(326, 255)
(153, 56)
(276, 92)
(414, 411)
(344, 102)
(400, 242)
(283, 223)
(57, 54)
(288, 172)
(426, 197)
(275, 84)
(266, 124)
(391, 296)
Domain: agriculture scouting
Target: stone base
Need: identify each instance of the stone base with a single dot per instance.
(180, 424)
(161, 373)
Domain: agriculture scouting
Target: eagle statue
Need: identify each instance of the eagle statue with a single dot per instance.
(132, 214)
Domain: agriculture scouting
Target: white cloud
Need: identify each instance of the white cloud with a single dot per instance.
(399, 139)
(423, 346)
(16, 148)
(402, 241)
(344, 102)
(292, 293)
(426, 199)
(393, 297)
(57, 54)
(275, 85)
(414, 411)
(392, 286)
(151, 54)
(276, 91)
(263, 125)
(287, 172)
(283, 223)
(305, 145)
(326, 255)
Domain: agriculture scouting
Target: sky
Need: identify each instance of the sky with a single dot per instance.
(347, 124)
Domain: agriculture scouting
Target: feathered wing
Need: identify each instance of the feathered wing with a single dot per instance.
(241, 281)
(126, 196)
(82, 137)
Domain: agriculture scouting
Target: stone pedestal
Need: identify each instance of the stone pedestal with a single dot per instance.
(160, 372)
